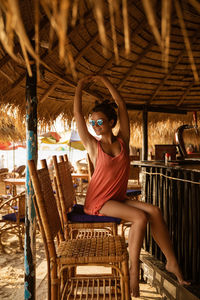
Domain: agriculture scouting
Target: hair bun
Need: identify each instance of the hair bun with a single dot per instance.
(111, 103)
(108, 108)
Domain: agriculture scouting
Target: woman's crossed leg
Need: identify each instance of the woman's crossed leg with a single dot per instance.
(139, 213)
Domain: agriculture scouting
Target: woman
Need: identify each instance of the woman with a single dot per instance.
(106, 193)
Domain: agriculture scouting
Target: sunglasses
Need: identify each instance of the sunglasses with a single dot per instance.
(99, 122)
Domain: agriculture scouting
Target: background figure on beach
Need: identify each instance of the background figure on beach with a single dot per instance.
(2, 162)
(106, 194)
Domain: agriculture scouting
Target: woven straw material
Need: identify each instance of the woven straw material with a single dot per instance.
(67, 184)
(95, 250)
(94, 288)
(47, 190)
(144, 53)
(13, 221)
(69, 254)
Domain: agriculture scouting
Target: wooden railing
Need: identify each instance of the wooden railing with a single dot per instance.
(177, 193)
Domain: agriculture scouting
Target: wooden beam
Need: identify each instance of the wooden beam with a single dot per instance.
(145, 135)
(162, 109)
(121, 48)
(6, 76)
(74, 84)
(20, 79)
(89, 44)
(48, 91)
(185, 94)
(121, 51)
(136, 62)
(172, 68)
(14, 85)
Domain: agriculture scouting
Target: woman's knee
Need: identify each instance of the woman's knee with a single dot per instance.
(141, 219)
(155, 212)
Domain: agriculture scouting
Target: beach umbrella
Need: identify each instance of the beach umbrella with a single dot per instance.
(50, 137)
(75, 141)
(11, 146)
(12, 133)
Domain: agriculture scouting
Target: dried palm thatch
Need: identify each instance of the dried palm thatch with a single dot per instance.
(161, 129)
(149, 50)
(11, 128)
(64, 12)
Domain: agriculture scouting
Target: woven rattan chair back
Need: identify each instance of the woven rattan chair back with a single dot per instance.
(49, 221)
(66, 195)
(65, 183)
(45, 199)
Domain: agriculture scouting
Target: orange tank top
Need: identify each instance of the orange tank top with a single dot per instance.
(109, 180)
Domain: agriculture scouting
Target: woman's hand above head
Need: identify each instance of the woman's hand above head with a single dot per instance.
(87, 139)
(124, 130)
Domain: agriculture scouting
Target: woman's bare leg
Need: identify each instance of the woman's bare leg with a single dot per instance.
(136, 235)
(161, 236)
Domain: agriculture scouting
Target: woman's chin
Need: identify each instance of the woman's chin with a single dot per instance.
(98, 133)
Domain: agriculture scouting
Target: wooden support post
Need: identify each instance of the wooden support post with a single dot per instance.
(145, 135)
(30, 220)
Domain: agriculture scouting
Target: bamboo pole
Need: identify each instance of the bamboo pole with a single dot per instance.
(145, 135)
(30, 219)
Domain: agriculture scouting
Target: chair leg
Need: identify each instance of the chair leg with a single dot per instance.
(125, 271)
(20, 237)
(2, 245)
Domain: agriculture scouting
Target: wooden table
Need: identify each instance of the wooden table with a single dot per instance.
(14, 182)
(80, 175)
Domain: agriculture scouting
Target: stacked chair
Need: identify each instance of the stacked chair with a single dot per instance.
(74, 219)
(13, 219)
(68, 254)
(3, 175)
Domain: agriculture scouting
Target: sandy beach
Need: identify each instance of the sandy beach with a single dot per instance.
(12, 269)
(12, 272)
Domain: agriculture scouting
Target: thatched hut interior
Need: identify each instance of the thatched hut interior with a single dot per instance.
(148, 49)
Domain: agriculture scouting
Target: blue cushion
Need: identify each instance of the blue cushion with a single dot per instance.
(15, 207)
(77, 215)
(12, 217)
(84, 180)
(133, 192)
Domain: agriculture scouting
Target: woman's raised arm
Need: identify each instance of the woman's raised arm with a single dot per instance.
(124, 130)
(86, 138)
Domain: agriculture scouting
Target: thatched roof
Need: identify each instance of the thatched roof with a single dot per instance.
(150, 50)
(11, 128)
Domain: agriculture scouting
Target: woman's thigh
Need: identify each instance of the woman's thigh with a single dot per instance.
(148, 208)
(122, 210)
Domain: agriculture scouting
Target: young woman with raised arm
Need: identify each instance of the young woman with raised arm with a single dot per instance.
(106, 193)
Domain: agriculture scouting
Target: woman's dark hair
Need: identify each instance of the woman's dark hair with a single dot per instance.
(108, 109)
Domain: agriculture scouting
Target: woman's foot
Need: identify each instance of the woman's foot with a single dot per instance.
(134, 283)
(174, 268)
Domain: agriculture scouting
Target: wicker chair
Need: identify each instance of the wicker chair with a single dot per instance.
(73, 216)
(13, 218)
(18, 172)
(3, 175)
(108, 251)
